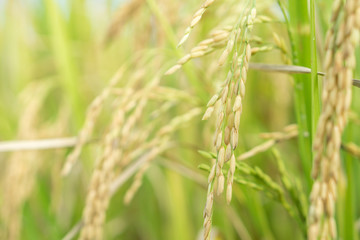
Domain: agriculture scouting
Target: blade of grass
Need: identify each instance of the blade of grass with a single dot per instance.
(298, 11)
(253, 202)
(299, 22)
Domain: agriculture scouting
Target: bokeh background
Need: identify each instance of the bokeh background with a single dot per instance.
(57, 56)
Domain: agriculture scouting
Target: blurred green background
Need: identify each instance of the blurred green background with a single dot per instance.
(57, 56)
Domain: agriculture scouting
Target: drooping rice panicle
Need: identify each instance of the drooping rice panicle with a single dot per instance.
(22, 166)
(161, 137)
(336, 98)
(217, 40)
(92, 114)
(99, 192)
(229, 101)
(99, 195)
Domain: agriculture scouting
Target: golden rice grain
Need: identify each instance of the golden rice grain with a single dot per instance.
(195, 20)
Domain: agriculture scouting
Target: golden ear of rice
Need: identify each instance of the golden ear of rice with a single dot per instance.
(229, 100)
(92, 115)
(22, 166)
(339, 64)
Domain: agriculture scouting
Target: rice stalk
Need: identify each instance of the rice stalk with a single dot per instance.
(273, 190)
(98, 197)
(274, 138)
(336, 98)
(161, 137)
(229, 100)
(260, 181)
(218, 40)
(121, 179)
(102, 181)
(93, 113)
(124, 142)
(22, 167)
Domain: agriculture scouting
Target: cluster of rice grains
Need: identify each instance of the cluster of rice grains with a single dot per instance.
(336, 99)
(117, 143)
(92, 115)
(128, 140)
(228, 105)
(23, 166)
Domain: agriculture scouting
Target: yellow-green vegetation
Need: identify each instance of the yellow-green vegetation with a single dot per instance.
(171, 119)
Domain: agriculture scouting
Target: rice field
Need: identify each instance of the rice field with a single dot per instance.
(159, 119)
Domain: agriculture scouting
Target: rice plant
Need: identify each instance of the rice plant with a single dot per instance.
(159, 119)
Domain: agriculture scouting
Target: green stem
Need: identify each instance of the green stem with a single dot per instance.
(348, 207)
(348, 221)
(315, 101)
(64, 60)
(298, 11)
